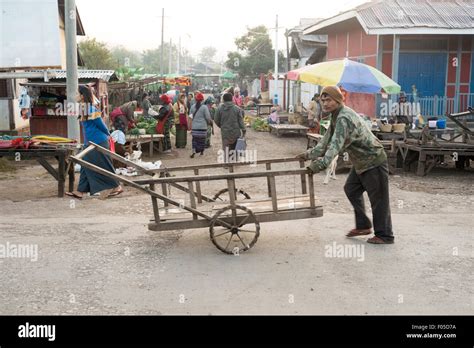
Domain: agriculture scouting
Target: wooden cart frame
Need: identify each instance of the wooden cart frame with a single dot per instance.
(230, 221)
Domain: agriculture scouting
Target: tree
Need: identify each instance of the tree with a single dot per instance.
(207, 54)
(255, 54)
(152, 59)
(96, 55)
(125, 57)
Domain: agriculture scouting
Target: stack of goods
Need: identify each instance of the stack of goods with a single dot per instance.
(47, 104)
(261, 125)
(144, 126)
(41, 141)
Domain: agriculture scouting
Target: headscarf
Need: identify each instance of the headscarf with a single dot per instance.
(199, 97)
(165, 99)
(335, 93)
(209, 101)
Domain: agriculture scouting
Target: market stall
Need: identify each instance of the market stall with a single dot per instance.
(48, 108)
(43, 149)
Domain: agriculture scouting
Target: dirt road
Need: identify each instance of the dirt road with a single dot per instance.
(98, 257)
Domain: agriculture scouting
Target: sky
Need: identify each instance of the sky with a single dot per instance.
(136, 24)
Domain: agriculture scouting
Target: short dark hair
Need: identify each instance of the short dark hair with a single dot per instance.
(227, 97)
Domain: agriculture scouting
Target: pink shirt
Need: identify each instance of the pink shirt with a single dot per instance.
(237, 100)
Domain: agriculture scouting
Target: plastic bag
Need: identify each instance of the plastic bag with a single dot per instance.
(241, 145)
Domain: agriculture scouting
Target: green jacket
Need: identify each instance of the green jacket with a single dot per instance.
(230, 119)
(348, 132)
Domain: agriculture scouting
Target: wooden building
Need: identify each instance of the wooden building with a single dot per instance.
(427, 46)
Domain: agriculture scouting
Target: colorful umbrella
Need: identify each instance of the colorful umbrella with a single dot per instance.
(350, 75)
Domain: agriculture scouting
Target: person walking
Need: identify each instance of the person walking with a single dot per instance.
(369, 172)
(230, 119)
(181, 121)
(94, 130)
(210, 104)
(201, 119)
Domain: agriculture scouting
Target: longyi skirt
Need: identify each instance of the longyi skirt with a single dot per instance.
(181, 136)
(199, 140)
(94, 182)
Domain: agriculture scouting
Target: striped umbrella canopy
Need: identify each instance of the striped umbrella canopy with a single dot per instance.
(350, 75)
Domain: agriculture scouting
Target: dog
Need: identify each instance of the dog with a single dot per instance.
(331, 171)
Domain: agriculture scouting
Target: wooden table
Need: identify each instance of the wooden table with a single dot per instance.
(313, 139)
(428, 155)
(151, 139)
(65, 166)
(437, 132)
(388, 136)
(264, 106)
(279, 129)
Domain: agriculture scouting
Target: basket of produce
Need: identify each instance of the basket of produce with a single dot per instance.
(261, 125)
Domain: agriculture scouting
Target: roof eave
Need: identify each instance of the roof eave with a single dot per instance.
(422, 31)
(316, 28)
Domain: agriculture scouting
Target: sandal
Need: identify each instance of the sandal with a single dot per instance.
(378, 240)
(73, 194)
(105, 194)
(355, 232)
(115, 193)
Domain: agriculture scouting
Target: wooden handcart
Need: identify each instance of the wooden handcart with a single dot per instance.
(232, 215)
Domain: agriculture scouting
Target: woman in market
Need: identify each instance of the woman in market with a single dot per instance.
(146, 105)
(123, 117)
(165, 122)
(181, 121)
(237, 99)
(201, 119)
(94, 130)
(211, 105)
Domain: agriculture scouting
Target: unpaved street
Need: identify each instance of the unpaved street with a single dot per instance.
(98, 257)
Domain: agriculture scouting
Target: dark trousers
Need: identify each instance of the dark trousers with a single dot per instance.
(375, 183)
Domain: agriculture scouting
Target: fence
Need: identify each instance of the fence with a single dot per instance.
(442, 106)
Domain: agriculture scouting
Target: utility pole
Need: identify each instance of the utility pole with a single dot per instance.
(276, 49)
(73, 131)
(162, 40)
(179, 56)
(289, 68)
(276, 60)
(170, 51)
(185, 62)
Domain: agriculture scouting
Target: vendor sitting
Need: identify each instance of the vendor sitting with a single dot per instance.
(273, 118)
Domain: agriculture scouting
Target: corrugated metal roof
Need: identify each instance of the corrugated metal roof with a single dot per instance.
(462, 18)
(106, 75)
(407, 14)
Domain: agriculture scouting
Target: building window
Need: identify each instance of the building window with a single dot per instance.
(5, 89)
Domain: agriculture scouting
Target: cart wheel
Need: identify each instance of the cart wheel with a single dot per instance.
(237, 191)
(241, 236)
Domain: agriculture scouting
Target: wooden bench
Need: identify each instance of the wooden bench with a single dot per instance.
(279, 129)
(151, 139)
